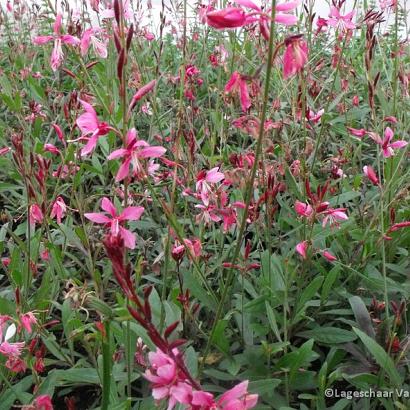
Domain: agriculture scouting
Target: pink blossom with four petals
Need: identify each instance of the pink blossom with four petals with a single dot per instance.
(114, 220)
(295, 57)
(58, 209)
(204, 182)
(387, 146)
(301, 248)
(91, 128)
(238, 84)
(57, 55)
(89, 38)
(340, 22)
(135, 151)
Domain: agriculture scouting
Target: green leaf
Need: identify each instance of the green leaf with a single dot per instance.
(272, 320)
(329, 335)
(263, 386)
(309, 292)
(362, 315)
(381, 356)
(331, 278)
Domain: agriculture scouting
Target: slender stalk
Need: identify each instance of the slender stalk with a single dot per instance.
(106, 351)
(249, 187)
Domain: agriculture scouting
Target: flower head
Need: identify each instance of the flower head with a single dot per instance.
(296, 55)
(387, 146)
(114, 220)
(58, 209)
(91, 128)
(57, 55)
(135, 151)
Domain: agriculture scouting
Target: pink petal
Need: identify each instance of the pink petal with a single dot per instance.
(286, 19)
(99, 47)
(128, 237)
(236, 392)
(57, 24)
(85, 41)
(388, 135)
(118, 153)
(67, 39)
(232, 82)
(97, 218)
(87, 123)
(108, 207)
(214, 176)
(329, 256)
(40, 40)
(230, 17)
(90, 146)
(291, 5)
(144, 90)
(132, 213)
(159, 393)
(301, 249)
(244, 96)
(398, 144)
(152, 152)
(123, 170)
(388, 152)
(248, 3)
(289, 67)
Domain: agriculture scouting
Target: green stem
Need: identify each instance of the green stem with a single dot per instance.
(249, 187)
(106, 351)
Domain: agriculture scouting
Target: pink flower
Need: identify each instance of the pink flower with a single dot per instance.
(301, 248)
(89, 39)
(341, 22)
(135, 151)
(387, 146)
(303, 209)
(59, 209)
(195, 247)
(237, 84)
(28, 319)
(108, 13)
(131, 213)
(15, 364)
(399, 225)
(162, 374)
(35, 215)
(204, 180)
(234, 17)
(295, 57)
(59, 133)
(230, 17)
(43, 402)
(237, 398)
(311, 116)
(89, 124)
(57, 54)
(208, 214)
(4, 151)
(51, 148)
(359, 133)
(385, 4)
(371, 174)
(333, 216)
(9, 349)
(144, 90)
(329, 256)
